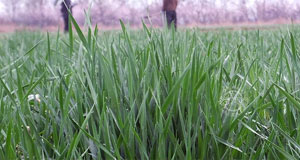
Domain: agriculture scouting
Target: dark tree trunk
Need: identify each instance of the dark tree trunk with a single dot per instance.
(65, 6)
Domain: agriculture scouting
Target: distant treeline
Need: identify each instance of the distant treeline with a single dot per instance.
(45, 13)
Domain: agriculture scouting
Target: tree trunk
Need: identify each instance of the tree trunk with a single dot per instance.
(65, 6)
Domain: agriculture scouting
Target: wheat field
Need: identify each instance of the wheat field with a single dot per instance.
(150, 94)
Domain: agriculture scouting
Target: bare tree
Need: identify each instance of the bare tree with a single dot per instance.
(261, 9)
(109, 12)
(11, 7)
(243, 11)
(35, 12)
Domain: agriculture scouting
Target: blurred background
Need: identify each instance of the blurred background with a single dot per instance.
(106, 13)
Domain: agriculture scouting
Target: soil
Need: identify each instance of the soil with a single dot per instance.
(8, 28)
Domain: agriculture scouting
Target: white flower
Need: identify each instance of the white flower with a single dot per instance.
(34, 97)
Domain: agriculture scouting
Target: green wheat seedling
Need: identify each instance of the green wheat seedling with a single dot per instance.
(150, 94)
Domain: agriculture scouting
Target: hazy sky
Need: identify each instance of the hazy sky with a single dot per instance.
(1, 8)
